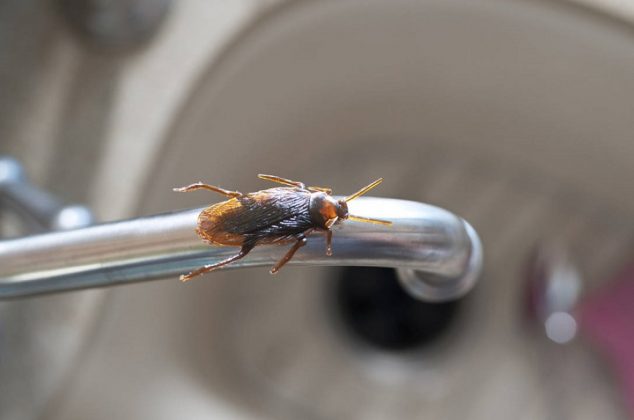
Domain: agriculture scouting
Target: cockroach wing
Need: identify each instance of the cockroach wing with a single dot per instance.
(266, 216)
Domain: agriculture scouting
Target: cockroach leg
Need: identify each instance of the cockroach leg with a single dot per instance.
(329, 242)
(246, 248)
(301, 241)
(320, 189)
(281, 180)
(201, 186)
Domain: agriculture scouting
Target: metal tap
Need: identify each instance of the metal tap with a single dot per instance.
(437, 254)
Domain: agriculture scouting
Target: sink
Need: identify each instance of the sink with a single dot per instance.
(514, 115)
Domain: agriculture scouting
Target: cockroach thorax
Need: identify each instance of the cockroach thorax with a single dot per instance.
(325, 211)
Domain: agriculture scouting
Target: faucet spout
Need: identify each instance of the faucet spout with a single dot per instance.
(437, 254)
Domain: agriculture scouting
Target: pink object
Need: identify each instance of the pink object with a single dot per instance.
(606, 317)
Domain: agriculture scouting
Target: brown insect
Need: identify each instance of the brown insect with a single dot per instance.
(272, 216)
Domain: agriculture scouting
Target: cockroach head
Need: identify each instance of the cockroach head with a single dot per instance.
(325, 211)
(342, 209)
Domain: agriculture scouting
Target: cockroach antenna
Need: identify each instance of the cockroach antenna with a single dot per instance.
(360, 193)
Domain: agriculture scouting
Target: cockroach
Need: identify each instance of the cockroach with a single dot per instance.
(273, 216)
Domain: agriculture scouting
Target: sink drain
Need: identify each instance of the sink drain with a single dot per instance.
(375, 309)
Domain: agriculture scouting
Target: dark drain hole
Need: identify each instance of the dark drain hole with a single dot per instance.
(375, 309)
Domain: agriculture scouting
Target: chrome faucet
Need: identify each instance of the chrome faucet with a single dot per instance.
(438, 256)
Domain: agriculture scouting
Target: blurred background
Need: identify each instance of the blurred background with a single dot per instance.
(516, 115)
